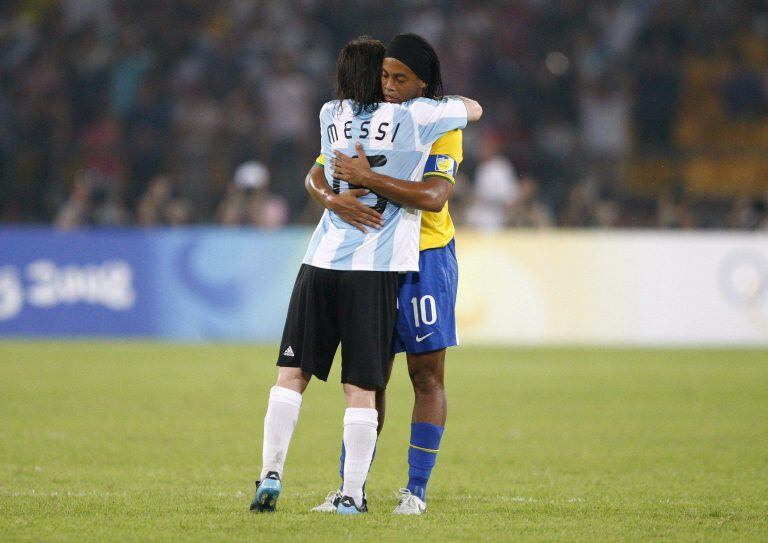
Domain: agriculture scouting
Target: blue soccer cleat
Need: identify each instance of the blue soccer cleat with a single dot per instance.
(347, 507)
(267, 492)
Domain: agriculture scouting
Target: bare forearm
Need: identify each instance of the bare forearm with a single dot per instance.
(429, 195)
(474, 109)
(345, 205)
(317, 186)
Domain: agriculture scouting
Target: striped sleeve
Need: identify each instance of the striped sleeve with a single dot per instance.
(325, 121)
(433, 118)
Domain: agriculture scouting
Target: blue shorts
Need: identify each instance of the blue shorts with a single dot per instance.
(426, 303)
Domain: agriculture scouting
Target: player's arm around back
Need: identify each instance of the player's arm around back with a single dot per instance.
(428, 195)
(345, 205)
(474, 109)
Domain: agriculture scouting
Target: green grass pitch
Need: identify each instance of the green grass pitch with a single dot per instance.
(138, 442)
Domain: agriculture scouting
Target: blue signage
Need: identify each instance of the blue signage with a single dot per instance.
(189, 284)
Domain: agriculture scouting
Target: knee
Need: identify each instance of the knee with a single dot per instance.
(426, 382)
(293, 379)
(359, 397)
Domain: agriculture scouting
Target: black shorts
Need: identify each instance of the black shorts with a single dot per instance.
(354, 308)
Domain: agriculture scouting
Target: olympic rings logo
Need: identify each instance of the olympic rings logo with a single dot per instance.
(743, 281)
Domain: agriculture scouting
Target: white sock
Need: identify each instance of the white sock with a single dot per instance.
(359, 442)
(279, 422)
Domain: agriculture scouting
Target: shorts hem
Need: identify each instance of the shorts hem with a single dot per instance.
(428, 349)
(360, 384)
(312, 372)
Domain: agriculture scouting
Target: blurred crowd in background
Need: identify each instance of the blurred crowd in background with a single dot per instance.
(607, 113)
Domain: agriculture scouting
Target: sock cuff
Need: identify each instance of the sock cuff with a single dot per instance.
(426, 436)
(359, 415)
(285, 395)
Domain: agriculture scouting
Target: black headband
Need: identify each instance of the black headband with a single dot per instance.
(414, 52)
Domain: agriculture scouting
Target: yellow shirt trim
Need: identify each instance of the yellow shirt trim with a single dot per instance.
(437, 228)
(441, 175)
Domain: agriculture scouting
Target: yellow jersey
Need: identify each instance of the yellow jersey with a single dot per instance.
(437, 228)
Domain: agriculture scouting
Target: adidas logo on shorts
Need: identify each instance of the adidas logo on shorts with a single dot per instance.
(288, 351)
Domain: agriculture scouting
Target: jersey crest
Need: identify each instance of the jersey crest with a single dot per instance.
(445, 164)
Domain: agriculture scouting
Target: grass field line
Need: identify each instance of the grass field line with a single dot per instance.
(290, 495)
(377, 496)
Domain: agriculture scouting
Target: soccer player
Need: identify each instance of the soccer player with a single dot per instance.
(426, 323)
(346, 289)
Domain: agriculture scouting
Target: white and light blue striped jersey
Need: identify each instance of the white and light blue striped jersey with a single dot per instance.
(397, 139)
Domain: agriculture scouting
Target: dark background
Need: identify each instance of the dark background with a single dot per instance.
(603, 113)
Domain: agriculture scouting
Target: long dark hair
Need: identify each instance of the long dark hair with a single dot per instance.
(358, 74)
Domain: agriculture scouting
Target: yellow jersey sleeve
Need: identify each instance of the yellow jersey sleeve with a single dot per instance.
(445, 157)
(320, 161)
(437, 228)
